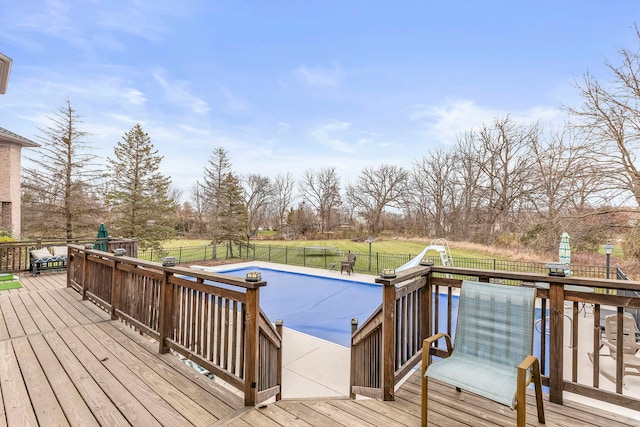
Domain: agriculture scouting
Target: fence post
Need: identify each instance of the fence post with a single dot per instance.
(556, 337)
(388, 340)
(251, 347)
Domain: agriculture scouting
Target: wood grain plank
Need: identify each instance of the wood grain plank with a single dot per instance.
(306, 413)
(343, 417)
(38, 317)
(52, 313)
(95, 360)
(83, 311)
(128, 372)
(24, 317)
(102, 408)
(74, 407)
(280, 416)
(4, 332)
(46, 407)
(173, 369)
(195, 403)
(15, 398)
(12, 323)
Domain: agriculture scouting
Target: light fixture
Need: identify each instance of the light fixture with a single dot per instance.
(608, 248)
(88, 245)
(557, 269)
(253, 276)
(169, 261)
(388, 273)
(425, 262)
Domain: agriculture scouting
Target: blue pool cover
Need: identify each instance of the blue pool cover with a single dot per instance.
(318, 306)
(324, 306)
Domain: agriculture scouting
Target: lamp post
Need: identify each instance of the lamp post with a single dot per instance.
(369, 241)
(608, 250)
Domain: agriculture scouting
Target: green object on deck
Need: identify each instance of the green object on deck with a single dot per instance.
(6, 277)
(13, 284)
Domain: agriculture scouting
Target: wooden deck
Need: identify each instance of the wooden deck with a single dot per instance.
(64, 362)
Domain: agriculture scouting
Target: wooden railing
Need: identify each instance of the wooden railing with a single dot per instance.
(212, 319)
(420, 302)
(14, 256)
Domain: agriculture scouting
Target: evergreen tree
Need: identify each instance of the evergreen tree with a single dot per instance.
(214, 176)
(58, 192)
(138, 194)
(233, 220)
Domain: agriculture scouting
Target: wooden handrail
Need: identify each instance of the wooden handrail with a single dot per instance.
(221, 328)
(560, 298)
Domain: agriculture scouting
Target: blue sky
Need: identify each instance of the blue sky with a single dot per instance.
(286, 86)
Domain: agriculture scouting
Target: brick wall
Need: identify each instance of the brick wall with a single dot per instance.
(10, 185)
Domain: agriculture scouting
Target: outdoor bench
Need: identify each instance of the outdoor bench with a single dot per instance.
(43, 260)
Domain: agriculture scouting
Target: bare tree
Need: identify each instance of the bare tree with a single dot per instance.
(375, 190)
(63, 176)
(283, 185)
(432, 181)
(506, 170)
(257, 191)
(610, 117)
(322, 191)
(198, 208)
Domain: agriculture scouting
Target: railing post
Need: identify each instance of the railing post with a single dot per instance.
(116, 289)
(165, 318)
(352, 374)
(251, 347)
(556, 338)
(426, 296)
(279, 329)
(85, 268)
(388, 341)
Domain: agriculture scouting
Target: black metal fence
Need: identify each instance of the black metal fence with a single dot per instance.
(367, 263)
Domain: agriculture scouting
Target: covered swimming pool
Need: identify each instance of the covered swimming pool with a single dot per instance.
(316, 305)
(324, 306)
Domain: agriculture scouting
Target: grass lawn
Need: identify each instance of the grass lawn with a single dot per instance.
(390, 246)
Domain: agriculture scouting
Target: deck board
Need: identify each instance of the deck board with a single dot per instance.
(63, 361)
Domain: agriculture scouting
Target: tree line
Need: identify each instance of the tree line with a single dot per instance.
(504, 182)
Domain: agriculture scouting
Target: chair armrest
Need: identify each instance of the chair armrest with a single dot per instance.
(529, 362)
(433, 338)
(428, 342)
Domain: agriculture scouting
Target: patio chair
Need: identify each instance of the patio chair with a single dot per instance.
(348, 264)
(630, 346)
(492, 355)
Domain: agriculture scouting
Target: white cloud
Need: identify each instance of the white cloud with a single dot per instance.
(326, 135)
(177, 92)
(319, 77)
(444, 123)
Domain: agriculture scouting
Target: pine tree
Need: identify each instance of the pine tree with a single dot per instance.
(214, 175)
(233, 220)
(58, 193)
(139, 195)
